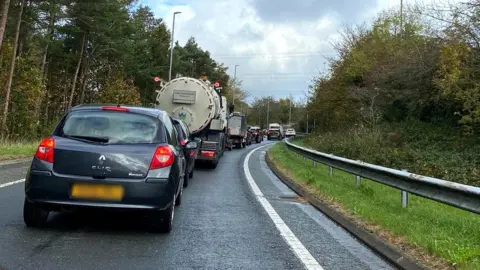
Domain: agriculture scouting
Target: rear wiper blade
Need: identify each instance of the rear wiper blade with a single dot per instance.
(90, 138)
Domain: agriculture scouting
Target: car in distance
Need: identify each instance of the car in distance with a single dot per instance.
(190, 152)
(107, 157)
(290, 132)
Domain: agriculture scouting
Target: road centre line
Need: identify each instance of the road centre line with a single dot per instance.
(12, 183)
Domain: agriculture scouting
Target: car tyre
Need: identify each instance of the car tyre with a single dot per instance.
(164, 219)
(34, 215)
(214, 164)
(178, 200)
(186, 178)
(190, 175)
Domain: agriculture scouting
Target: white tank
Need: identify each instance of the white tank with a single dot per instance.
(193, 101)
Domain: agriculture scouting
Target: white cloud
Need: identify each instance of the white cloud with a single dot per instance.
(264, 39)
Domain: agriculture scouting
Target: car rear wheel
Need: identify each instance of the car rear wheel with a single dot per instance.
(178, 201)
(34, 215)
(214, 164)
(164, 220)
(190, 175)
(186, 178)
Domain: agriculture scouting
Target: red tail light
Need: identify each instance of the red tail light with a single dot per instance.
(183, 143)
(207, 153)
(113, 108)
(45, 150)
(162, 158)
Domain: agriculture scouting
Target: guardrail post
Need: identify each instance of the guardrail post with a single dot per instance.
(358, 179)
(330, 171)
(404, 199)
(314, 164)
(404, 196)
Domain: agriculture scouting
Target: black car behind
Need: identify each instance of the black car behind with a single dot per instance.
(107, 157)
(191, 152)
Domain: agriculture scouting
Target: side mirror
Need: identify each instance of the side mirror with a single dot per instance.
(191, 145)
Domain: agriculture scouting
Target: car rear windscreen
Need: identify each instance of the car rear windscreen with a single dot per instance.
(114, 127)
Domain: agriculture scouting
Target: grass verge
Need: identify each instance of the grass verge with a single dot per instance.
(440, 236)
(15, 150)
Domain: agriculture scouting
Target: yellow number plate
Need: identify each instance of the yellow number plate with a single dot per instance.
(105, 192)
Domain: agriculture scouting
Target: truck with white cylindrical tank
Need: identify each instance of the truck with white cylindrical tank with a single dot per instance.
(199, 104)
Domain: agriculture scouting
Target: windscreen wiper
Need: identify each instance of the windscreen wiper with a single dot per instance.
(89, 138)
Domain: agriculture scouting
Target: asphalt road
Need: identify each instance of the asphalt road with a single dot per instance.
(222, 224)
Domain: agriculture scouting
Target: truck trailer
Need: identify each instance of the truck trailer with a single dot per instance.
(199, 104)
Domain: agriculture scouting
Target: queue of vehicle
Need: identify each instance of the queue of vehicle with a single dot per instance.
(112, 157)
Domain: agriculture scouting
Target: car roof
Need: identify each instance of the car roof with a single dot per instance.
(135, 109)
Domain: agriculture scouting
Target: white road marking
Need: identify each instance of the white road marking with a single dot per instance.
(298, 248)
(12, 183)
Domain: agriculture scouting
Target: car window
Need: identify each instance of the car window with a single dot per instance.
(181, 134)
(171, 130)
(117, 127)
(185, 129)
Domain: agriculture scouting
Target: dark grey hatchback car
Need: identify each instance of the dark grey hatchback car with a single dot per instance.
(111, 158)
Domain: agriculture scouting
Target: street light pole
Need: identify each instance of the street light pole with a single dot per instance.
(171, 47)
(235, 87)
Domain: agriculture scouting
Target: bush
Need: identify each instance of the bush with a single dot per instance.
(422, 148)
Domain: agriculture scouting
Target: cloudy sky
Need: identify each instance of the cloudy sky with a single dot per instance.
(278, 45)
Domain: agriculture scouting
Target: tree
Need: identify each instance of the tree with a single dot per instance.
(3, 21)
(70, 52)
(12, 70)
